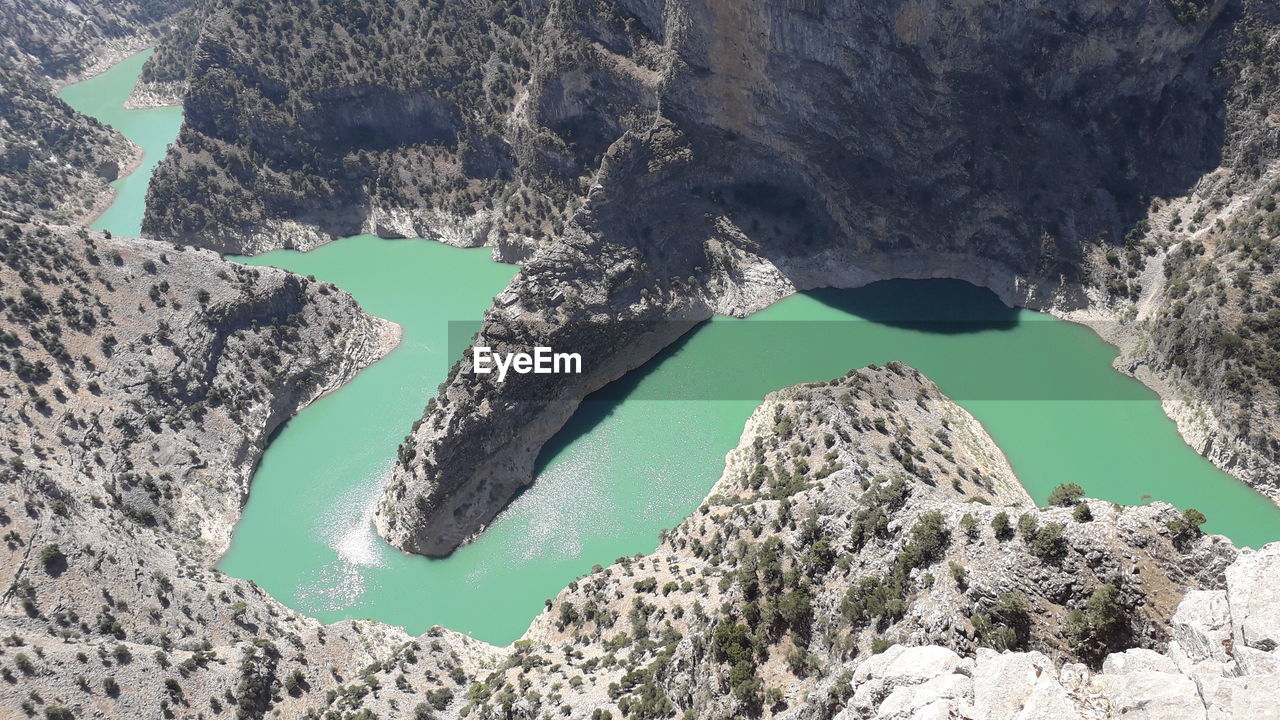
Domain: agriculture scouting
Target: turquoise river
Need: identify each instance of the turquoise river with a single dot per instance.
(641, 454)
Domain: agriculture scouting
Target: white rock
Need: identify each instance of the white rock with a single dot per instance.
(1018, 685)
(894, 677)
(1256, 662)
(1138, 660)
(1202, 626)
(908, 665)
(1253, 592)
(1146, 695)
(945, 696)
(1255, 697)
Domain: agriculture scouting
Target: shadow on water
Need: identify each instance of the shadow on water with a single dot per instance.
(941, 307)
(599, 405)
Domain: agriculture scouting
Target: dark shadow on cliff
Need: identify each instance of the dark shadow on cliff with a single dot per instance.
(942, 307)
(599, 405)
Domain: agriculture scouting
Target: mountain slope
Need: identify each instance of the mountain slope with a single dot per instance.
(54, 162)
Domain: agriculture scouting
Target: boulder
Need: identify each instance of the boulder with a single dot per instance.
(1232, 698)
(1149, 695)
(1253, 593)
(1022, 686)
(1138, 660)
(1202, 627)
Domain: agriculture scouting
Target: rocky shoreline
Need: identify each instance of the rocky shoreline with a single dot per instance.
(102, 202)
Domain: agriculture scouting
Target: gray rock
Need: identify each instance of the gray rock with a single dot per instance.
(1147, 695)
(1202, 626)
(1253, 586)
(1009, 686)
(1255, 697)
(1138, 660)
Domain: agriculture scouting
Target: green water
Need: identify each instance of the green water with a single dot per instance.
(641, 454)
(103, 97)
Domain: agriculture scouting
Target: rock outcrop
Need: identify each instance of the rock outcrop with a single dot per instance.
(1221, 662)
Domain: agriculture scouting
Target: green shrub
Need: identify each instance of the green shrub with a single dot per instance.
(1188, 525)
(1100, 626)
(732, 643)
(51, 556)
(1005, 625)
(1066, 495)
(877, 598)
(1000, 525)
(1048, 543)
(796, 610)
(1027, 526)
(929, 539)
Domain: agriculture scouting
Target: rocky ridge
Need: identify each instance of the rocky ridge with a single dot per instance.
(853, 515)
(140, 383)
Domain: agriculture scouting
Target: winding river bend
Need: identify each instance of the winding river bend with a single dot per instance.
(641, 454)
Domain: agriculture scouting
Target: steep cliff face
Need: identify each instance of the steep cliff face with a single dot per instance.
(386, 117)
(1207, 322)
